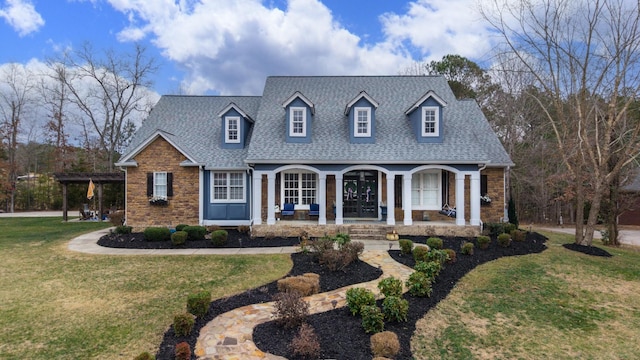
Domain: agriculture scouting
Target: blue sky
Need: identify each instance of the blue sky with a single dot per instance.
(230, 46)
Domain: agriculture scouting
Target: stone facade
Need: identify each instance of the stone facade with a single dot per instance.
(494, 212)
(182, 207)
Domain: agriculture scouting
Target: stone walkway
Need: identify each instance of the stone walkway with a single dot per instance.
(230, 335)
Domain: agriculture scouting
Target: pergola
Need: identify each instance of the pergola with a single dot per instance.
(99, 179)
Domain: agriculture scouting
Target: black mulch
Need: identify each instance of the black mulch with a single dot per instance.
(589, 250)
(341, 335)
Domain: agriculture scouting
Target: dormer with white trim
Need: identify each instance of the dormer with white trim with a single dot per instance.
(426, 117)
(361, 113)
(299, 113)
(235, 125)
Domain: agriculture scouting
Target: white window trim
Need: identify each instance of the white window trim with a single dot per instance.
(228, 120)
(355, 121)
(299, 205)
(438, 205)
(437, 124)
(227, 200)
(304, 121)
(155, 185)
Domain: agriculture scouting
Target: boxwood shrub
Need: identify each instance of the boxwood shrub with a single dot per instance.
(157, 234)
(179, 237)
(195, 232)
(219, 238)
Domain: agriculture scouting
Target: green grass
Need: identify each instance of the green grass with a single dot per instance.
(558, 304)
(58, 304)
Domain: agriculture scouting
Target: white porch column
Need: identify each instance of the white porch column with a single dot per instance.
(339, 220)
(406, 198)
(475, 198)
(271, 198)
(391, 216)
(257, 198)
(322, 199)
(460, 199)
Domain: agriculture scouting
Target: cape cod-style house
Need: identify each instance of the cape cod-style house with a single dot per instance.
(328, 150)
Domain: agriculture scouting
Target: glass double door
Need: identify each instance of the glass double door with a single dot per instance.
(360, 194)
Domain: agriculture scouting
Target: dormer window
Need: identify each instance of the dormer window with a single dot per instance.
(298, 121)
(232, 129)
(362, 119)
(235, 125)
(299, 115)
(430, 121)
(361, 114)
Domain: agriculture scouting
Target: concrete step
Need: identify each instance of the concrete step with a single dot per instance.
(368, 233)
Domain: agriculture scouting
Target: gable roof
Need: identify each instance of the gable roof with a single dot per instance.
(362, 94)
(192, 125)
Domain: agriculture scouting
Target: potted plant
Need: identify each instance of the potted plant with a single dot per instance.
(158, 200)
(392, 235)
(485, 200)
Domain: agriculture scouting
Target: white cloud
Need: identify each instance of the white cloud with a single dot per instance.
(22, 16)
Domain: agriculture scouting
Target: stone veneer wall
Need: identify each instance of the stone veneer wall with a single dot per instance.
(183, 205)
(494, 212)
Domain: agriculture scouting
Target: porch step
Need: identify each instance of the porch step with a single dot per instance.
(368, 232)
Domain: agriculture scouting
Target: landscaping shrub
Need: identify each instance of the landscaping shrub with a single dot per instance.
(406, 246)
(504, 240)
(306, 284)
(385, 344)
(342, 239)
(333, 259)
(518, 235)
(359, 297)
(157, 234)
(219, 238)
(451, 256)
(437, 255)
(183, 324)
(509, 227)
(183, 351)
(123, 229)
(195, 232)
(420, 253)
(181, 227)
(419, 284)
(372, 319)
(305, 343)
(483, 242)
(395, 308)
(290, 309)
(467, 248)
(336, 260)
(179, 237)
(116, 218)
(198, 303)
(390, 286)
(429, 268)
(321, 245)
(494, 229)
(144, 356)
(212, 228)
(243, 229)
(352, 250)
(435, 243)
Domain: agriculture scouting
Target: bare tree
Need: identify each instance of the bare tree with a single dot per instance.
(584, 56)
(110, 91)
(55, 97)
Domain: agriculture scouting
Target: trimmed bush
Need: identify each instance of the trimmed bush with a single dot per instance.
(406, 246)
(390, 286)
(305, 343)
(467, 248)
(183, 351)
(123, 229)
(385, 344)
(290, 309)
(195, 232)
(198, 303)
(144, 356)
(179, 237)
(451, 255)
(419, 284)
(509, 227)
(494, 229)
(352, 250)
(372, 319)
(181, 227)
(321, 245)
(429, 268)
(342, 239)
(504, 240)
(395, 308)
(305, 284)
(518, 235)
(358, 298)
(183, 324)
(157, 234)
(435, 243)
(437, 255)
(420, 253)
(219, 238)
(483, 242)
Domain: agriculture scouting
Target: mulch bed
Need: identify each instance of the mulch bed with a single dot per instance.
(341, 335)
(589, 250)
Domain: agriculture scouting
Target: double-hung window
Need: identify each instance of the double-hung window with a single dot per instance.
(298, 121)
(160, 185)
(425, 190)
(232, 131)
(362, 122)
(430, 121)
(299, 188)
(227, 186)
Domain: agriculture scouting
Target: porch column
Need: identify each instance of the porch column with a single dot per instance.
(391, 216)
(460, 199)
(339, 220)
(322, 199)
(257, 198)
(406, 198)
(475, 198)
(271, 198)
